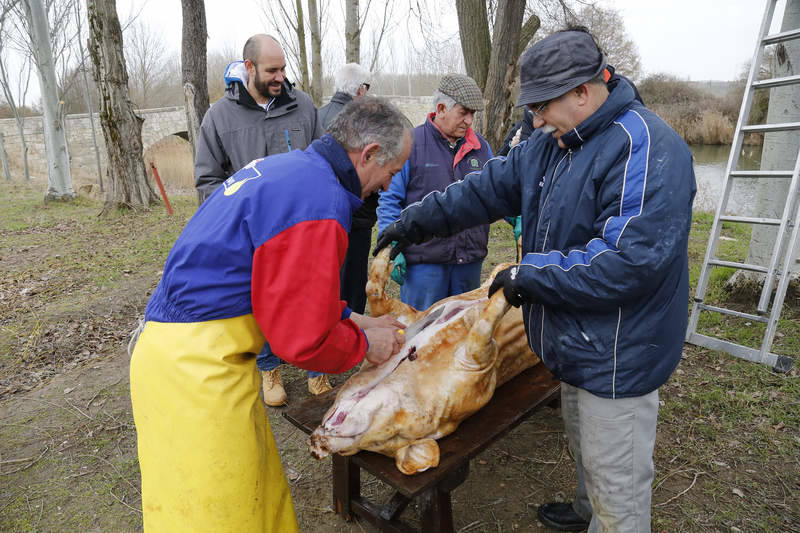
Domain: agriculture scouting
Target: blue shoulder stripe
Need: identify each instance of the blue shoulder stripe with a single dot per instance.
(633, 187)
(635, 179)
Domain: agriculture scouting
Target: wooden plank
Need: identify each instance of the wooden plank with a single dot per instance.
(511, 404)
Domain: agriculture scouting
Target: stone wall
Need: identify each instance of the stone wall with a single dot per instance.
(158, 123)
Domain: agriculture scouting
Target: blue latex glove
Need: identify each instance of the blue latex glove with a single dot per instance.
(400, 269)
(517, 228)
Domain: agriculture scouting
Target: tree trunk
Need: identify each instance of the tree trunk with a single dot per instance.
(316, 53)
(122, 128)
(89, 107)
(301, 46)
(352, 32)
(780, 148)
(4, 157)
(194, 65)
(476, 45)
(502, 71)
(527, 32)
(59, 179)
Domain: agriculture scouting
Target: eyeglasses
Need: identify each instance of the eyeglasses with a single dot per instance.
(539, 110)
(366, 86)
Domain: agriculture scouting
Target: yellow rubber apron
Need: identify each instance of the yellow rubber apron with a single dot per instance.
(207, 456)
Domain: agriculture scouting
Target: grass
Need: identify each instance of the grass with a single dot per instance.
(73, 284)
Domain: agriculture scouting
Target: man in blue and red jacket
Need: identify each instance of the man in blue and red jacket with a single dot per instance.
(259, 261)
(445, 150)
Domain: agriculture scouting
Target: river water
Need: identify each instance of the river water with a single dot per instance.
(710, 162)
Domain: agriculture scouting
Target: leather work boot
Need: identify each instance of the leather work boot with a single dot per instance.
(319, 384)
(274, 394)
(561, 516)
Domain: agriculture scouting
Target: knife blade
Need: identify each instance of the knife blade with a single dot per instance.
(423, 323)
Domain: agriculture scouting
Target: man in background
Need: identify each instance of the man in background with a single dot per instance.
(445, 150)
(351, 82)
(261, 114)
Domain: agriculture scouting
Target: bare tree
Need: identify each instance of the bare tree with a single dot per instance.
(217, 61)
(476, 42)
(16, 102)
(501, 70)
(122, 128)
(380, 32)
(145, 53)
(608, 28)
(286, 18)
(4, 157)
(194, 62)
(352, 32)
(59, 179)
(316, 53)
(90, 110)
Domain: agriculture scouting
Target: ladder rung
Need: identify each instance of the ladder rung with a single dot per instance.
(776, 82)
(761, 174)
(781, 37)
(733, 313)
(765, 128)
(752, 220)
(779, 362)
(740, 266)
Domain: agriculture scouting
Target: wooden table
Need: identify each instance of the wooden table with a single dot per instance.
(511, 404)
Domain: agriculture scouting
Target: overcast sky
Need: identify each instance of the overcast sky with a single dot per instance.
(694, 39)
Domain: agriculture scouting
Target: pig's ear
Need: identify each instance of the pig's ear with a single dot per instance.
(417, 456)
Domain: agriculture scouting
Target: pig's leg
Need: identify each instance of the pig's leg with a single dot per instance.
(417, 456)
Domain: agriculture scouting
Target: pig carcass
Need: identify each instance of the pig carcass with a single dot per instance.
(465, 346)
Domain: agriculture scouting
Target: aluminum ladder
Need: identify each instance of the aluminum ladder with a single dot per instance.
(784, 251)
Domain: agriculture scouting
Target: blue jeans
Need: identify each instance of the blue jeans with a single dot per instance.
(267, 361)
(427, 283)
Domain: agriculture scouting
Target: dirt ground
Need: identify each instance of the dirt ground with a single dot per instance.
(72, 288)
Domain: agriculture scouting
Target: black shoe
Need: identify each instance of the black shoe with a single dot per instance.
(561, 516)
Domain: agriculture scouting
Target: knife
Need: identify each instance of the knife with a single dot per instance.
(423, 323)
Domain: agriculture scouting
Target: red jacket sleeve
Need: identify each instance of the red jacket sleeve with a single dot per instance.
(295, 298)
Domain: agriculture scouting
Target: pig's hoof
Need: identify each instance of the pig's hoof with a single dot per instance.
(417, 456)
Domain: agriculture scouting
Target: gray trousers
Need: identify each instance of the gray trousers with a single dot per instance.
(612, 442)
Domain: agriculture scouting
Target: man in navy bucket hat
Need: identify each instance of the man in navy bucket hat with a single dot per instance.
(605, 191)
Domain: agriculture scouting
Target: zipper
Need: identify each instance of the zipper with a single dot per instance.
(550, 190)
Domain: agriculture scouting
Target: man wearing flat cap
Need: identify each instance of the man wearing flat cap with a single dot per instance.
(445, 150)
(605, 191)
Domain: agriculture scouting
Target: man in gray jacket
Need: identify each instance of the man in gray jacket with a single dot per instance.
(350, 82)
(260, 114)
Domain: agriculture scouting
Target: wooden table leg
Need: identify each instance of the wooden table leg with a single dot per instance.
(436, 511)
(435, 506)
(346, 484)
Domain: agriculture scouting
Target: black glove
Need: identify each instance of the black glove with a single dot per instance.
(507, 279)
(395, 231)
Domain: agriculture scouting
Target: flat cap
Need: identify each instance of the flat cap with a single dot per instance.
(556, 64)
(463, 90)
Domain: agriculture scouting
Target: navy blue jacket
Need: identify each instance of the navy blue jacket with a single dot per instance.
(434, 166)
(604, 274)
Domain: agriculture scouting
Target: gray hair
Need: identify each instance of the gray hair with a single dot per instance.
(350, 77)
(370, 120)
(440, 98)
